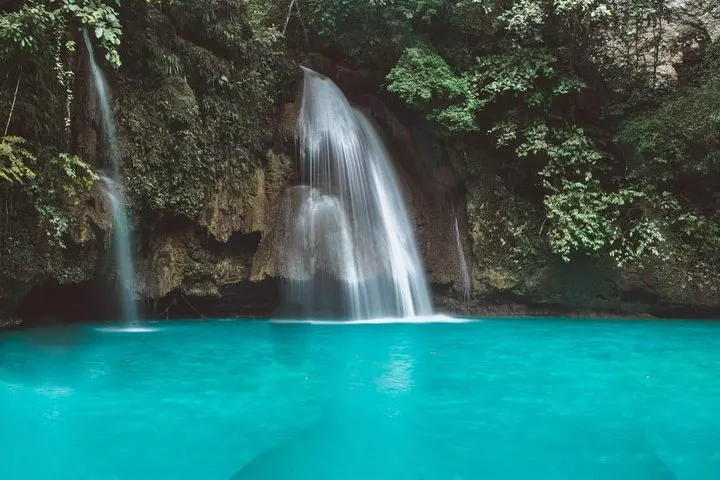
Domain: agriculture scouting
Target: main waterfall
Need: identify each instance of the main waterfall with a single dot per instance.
(353, 250)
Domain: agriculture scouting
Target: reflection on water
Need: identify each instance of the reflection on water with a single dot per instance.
(396, 376)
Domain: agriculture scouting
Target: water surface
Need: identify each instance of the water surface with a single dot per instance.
(492, 399)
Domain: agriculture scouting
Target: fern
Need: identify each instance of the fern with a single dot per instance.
(174, 65)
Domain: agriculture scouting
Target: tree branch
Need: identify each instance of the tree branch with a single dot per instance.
(12, 107)
(296, 4)
(287, 19)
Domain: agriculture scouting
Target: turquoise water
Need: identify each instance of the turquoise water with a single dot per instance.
(492, 399)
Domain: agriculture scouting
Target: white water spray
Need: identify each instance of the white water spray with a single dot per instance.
(352, 228)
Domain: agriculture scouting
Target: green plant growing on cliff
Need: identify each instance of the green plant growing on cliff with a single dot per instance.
(38, 40)
(209, 126)
(14, 160)
(63, 181)
(584, 216)
(422, 78)
(525, 82)
(675, 149)
(104, 22)
(373, 31)
(52, 182)
(520, 72)
(37, 25)
(680, 139)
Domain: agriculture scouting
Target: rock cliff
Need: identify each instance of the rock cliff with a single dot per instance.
(206, 122)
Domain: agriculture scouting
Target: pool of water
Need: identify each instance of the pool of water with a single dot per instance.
(489, 399)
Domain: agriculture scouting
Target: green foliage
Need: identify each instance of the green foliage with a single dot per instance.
(103, 20)
(681, 137)
(51, 182)
(422, 78)
(25, 29)
(37, 26)
(712, 58)
(38, 43)
(675, 148)
(571, 154)
(373, 30)
(61, 182)
(173, 65)
(521, 72)
(14, 160)
(263, 21)
(514, 73)
(586, 218)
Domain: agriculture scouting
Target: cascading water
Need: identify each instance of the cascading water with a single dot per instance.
(464, 283)
(352, 227)
(126, 272)
(113, 189)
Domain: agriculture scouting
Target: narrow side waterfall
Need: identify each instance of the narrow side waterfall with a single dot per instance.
(126, 272)
(464, 274)
(113, 188)
(352, 229)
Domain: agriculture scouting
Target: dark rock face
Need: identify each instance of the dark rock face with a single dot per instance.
(33, 263)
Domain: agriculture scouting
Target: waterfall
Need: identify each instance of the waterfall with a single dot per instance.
(123, 257)
(464, 274)
(352, 229)
(114, 190)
